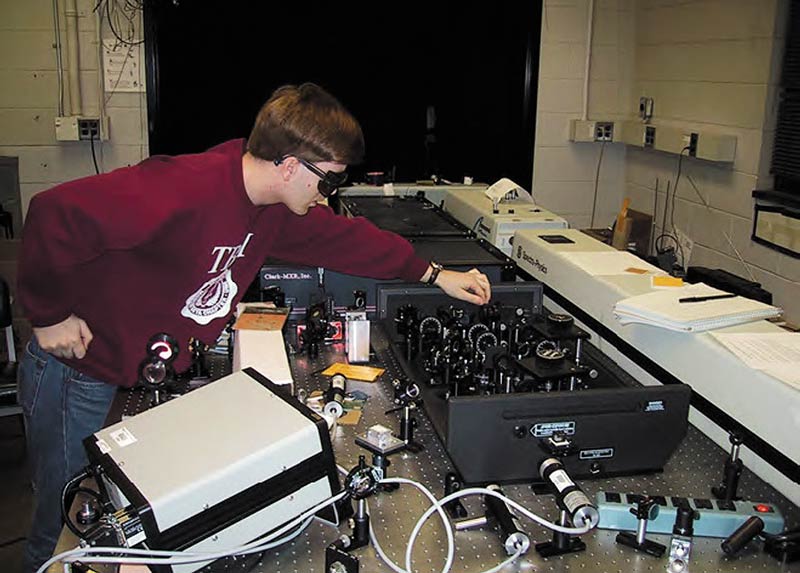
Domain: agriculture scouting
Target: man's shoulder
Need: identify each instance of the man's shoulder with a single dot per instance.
(165, 174)
(220, 155)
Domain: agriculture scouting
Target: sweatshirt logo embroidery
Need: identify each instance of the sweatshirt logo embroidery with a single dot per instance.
(213, 299)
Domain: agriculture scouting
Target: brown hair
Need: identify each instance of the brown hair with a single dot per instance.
(308, 122)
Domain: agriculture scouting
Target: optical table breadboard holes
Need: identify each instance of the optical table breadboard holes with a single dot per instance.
(693, 469)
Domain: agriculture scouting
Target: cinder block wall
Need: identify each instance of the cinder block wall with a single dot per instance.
(564, 173)
(29, 98)
(712, 65)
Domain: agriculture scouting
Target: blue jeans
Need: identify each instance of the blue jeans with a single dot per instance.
(61, 407)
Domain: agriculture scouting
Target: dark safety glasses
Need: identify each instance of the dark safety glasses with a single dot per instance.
(329, 181)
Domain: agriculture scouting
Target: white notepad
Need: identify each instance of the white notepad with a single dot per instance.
(663, 308)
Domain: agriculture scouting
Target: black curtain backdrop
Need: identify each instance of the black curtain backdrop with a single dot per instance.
(211, 65)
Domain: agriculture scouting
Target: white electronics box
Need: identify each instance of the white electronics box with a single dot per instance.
(215, 468)
(497, 221)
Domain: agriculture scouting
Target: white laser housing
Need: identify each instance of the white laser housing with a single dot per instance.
(217, 467)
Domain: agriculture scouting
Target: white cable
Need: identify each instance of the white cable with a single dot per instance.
(483, 491)
(379, 550)
(186, 558)
(448, 527)
(435, 506)
(739, 255)
(181, 557)
(336, 523)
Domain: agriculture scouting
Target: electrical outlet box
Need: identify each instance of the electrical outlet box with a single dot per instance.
(690, 141)
(645, 108)
(80, 128)
(649, 136)
(88, 128)
(701, 144)
(604, 131)
(591, 131)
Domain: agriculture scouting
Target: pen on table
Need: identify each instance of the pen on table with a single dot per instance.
(705, 298)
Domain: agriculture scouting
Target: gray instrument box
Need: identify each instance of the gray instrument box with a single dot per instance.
(217, 467)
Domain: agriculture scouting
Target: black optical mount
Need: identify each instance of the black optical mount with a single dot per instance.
(362, 482)
(732, 472)
(645, 510)
(156, 373)
(559, 446)
(452, 484)
(317, 328)
(407, 397)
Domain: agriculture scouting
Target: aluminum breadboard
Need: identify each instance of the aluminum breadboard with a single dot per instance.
(693, 470)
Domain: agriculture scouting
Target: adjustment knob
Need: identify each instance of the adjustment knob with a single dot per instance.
(559, 321)
(646, 508)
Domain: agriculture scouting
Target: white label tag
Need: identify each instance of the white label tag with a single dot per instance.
(561, 480)
(122, 437)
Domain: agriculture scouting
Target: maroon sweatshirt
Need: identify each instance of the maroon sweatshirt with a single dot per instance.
(171, 245)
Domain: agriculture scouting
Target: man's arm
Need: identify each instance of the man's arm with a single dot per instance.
(69, 338)
(358, 247)
(352, 246)
(472, 286)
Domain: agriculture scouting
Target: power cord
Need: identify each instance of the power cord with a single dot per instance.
(156, 557)
(94, 157)
(597, 183)
(122, 555)
(67, 494)
(675, 189)
(671, 234)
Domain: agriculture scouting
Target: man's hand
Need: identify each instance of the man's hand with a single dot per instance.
(67, 339)
(472, 286)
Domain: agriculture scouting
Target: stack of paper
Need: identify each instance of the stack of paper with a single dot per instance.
(774, 353)
(687, 309)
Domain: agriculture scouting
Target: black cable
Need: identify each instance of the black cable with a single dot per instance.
(477, 222)
(666, 206)
(94, 157)
(114, 30)
(660, 249)
(89, 492)
(675, 189)
(597, 183)
(4, 544)
(671, 234)
(65, 493)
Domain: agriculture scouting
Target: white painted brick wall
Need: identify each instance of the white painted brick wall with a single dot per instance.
(564, 172)
(712, 65)
(29, 100)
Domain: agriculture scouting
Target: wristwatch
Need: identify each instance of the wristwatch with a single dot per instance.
(437, 268)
